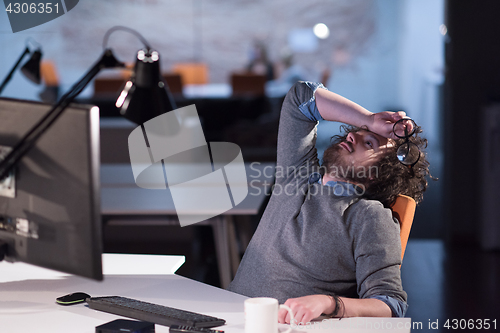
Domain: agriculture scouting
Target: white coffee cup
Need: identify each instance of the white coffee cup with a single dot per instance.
(261, 315)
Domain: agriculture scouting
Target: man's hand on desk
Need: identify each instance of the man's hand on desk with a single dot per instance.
(306, 308)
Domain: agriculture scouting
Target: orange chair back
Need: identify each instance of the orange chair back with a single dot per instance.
(48, 73)
(404, 210)
(192, 73)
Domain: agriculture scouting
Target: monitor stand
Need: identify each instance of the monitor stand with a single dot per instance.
(3, 249)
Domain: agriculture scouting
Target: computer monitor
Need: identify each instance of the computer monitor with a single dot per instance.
(53, 220)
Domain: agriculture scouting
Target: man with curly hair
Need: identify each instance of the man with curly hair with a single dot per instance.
(327, 243)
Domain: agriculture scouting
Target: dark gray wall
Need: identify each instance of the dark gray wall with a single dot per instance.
(472, 82)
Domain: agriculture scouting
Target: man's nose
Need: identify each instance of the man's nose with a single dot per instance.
(351, 137)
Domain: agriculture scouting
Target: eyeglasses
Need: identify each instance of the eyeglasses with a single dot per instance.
(408, 153)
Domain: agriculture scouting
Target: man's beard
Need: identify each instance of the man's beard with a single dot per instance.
(337, 167)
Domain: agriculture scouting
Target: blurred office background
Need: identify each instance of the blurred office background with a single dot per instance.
(435, 59)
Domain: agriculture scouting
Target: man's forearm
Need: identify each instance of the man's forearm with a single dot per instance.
(334, 107)
(367, 307)
(306, 308)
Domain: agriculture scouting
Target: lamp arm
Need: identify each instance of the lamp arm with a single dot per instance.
(132, 31)
(26, 143)
(9, 76)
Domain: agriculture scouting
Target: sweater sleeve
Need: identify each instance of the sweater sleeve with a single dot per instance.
(377, 253)
(297, 131)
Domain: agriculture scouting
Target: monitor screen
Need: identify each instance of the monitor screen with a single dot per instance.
(50, 206)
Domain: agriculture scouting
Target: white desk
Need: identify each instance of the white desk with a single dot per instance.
(140, 264)
(27, 303)
(112, 264)
(211, 90)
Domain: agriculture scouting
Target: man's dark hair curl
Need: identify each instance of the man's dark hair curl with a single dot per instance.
(395, 178)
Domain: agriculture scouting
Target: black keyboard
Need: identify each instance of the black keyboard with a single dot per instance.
(154, 313)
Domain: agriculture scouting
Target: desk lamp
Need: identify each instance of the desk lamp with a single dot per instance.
(31, 68)
(145, 96)
(146, 83)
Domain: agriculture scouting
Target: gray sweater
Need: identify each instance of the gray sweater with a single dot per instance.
(313, 240)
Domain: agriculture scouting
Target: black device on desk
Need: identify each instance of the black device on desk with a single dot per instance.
(153, 313)
(124, 326)
(50, 205)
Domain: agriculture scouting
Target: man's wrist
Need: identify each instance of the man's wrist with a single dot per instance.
(371, 122)
(334, 307)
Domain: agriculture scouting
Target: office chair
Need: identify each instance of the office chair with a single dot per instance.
(404, 210)
(192, 73)
(108, 86)
(174, 82)
(113, 85)
(325, 76)
(248, 84)
(50, 78)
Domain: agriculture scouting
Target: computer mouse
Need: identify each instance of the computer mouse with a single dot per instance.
(74, 298)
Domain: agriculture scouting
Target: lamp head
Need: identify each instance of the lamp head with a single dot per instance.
(31, 68)
(145, 96)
